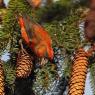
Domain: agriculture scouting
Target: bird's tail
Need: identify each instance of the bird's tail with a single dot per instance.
(24, 22)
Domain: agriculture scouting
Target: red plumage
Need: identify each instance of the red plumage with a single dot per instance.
(36, 37)
(34, 3)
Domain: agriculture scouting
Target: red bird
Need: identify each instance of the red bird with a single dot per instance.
(36, 37)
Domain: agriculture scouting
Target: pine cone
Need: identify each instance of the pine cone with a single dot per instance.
(78, 74)
(24, 64)
(2, 84)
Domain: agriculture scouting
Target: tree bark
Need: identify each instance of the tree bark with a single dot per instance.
(49, 2)
(2, 5)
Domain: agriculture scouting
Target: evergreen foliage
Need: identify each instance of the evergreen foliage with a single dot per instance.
(61, 20)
